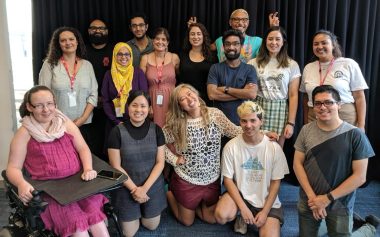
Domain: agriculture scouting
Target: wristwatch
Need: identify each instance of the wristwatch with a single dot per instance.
(330, 197)
(226, 89)
(290, 123)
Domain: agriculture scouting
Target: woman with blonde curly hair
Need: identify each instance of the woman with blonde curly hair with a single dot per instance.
(195, 130)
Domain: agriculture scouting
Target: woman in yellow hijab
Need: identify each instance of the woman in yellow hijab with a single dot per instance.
(118, 82)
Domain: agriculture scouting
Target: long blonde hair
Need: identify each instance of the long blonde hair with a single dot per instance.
(176, 117)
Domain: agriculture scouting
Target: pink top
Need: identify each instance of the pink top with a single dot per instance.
(162, 87)
(58, 158)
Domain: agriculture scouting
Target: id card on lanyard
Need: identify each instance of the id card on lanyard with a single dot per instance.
(159, 92)
(72, 94)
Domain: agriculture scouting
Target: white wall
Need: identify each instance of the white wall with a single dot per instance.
(7, 103)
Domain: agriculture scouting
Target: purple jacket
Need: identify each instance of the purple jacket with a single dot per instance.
(109, 93)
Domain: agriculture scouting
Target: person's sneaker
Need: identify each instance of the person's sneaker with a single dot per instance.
(358, 220)
(373, 220)
(240, 226)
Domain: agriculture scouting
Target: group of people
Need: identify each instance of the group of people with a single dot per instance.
(140, 106)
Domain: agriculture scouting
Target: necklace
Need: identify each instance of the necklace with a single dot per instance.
(159, 67)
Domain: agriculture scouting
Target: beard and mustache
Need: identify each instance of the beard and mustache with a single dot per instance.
(98, 39)
(232, 54)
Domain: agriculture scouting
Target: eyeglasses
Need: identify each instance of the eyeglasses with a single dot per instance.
(237, 20)
(48, 105)
(123, 54)
(135, 26)
(97, 28)
(229, 44)
(326, 103)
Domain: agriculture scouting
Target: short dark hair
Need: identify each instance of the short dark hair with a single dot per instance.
(326, 89)
(138, 14)
(136, 93)
(98, 19)
(232, 32)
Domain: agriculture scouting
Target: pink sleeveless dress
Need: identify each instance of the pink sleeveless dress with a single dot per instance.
(59, 159)
(162, 87)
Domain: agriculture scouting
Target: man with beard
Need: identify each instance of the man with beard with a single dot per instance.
(99, 53)
(141, 44)
(231, 82)
(239, 20)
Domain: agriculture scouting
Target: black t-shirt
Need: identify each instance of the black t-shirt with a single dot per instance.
(195, 74)
(101, 60)
(138, 133)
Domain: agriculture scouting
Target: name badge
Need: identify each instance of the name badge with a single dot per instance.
(159, 98)
(118, 113)
(72, 98)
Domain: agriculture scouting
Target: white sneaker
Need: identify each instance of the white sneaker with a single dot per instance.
(240, 226)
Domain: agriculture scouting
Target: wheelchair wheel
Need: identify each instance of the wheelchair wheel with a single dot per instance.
(10, 231)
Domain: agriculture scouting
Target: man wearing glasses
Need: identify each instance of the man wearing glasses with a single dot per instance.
(99, 53)
(141, 44)
(330, 163)
(239, 20)
(232, 81)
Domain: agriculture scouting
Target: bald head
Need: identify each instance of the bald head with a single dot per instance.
(239, 20)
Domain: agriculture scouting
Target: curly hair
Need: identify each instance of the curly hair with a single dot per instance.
(176, 119)
(206, 50)
(55, 51)
(263, 57)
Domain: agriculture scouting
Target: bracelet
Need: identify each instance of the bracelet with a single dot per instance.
(330, 197)
(290, 123)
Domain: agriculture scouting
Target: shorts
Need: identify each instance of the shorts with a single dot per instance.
(277, 213)
(191, 195)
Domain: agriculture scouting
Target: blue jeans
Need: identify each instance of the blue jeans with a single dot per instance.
(337, 225)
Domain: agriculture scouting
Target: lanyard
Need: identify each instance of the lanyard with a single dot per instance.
(72, 78)
(322, 80)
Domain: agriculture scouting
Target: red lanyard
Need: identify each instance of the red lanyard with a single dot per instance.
(322, 80)
(72, 78)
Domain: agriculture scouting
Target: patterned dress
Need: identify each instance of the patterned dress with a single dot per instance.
(59, 159)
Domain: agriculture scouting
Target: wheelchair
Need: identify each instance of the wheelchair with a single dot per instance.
(25, 221)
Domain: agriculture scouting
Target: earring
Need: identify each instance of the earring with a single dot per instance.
(182, 115)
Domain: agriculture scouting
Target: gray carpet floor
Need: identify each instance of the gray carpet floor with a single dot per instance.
(367, 202)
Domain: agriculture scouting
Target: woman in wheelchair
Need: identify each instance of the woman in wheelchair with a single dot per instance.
(48, 145)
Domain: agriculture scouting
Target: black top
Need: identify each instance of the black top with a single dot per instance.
(138, 133)
(195, 74)
(101, 60)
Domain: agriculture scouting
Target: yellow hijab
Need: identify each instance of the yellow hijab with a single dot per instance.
(122, 77)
